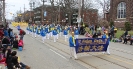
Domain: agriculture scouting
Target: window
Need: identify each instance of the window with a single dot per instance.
(121, 10)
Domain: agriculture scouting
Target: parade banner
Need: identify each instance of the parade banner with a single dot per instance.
(91, 45)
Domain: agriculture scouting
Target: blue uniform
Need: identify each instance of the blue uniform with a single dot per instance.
(38, 30)
(71, 43)
(65, 32)
(76, 32)
(43, 34)
(54, 32)
(106, 37)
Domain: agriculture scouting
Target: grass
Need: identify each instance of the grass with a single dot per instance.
(120, 32)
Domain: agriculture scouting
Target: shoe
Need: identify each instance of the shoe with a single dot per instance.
(76, 58)
(27, 67)
(108, 53)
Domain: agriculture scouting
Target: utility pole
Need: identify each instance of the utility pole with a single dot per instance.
(24, 13)
(59, 13)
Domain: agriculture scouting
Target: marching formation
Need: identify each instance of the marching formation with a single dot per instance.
(51, 30)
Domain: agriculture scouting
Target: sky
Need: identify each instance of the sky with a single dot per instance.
(12, 6)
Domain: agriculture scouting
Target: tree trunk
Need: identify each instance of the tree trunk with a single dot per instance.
(69, 18)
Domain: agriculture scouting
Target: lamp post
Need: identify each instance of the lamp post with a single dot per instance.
(43, 10)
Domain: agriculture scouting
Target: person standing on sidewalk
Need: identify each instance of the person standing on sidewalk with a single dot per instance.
(22, 33)
(72, 46)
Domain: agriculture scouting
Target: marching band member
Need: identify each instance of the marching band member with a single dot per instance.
(43, 34)
(72, 46)
(54, 34)
(28, 29)
(34, 31)
(105, 36)
(58, 31)
(76, 33)
(47, 31)
(31, 29)
(65, 34)
(38, 30)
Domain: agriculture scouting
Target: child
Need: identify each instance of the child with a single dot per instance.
(15, 43)
(15, 35)
(20, 43)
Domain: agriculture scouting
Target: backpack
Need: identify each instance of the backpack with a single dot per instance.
(24, 32)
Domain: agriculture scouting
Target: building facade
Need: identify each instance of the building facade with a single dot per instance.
(120, 12)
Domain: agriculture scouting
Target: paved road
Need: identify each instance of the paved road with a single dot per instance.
(50, 55)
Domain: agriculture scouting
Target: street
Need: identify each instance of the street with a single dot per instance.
(50, 55)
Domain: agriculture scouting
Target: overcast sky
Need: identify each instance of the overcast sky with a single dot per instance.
(14, 5)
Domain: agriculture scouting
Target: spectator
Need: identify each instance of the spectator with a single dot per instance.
(1, 33)
(16, 63)
(131, 41)
(15, 43)
(6, 33)
(20, 43)
(5, 42)
(95, 35)
(11, 36)
(8, 60)
(21, 33)
(127, 38)
(2, 56)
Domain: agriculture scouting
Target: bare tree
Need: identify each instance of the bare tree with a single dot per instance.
(105, 5)
(68, 7)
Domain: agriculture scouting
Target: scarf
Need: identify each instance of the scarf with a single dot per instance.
(73, 40)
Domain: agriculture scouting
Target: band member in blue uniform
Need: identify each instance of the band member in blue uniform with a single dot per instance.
(105, 36)
(72, 46)
(55, 34)
(34, 30)
(65, 32)
(28, 29)
(43, 34)
(38, 30)
(76, 33)
(31, 29)
(47, 31)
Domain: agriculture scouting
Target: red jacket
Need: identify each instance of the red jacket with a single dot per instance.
(21, 32)
(20, 43)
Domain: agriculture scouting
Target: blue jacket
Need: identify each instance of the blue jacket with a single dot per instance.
(38, 30)
(76, 32)
(11, 34)
(105, 37)
(71, 43)
(43, 33)
(6, 33)
(18, 27)
(54, 32)
(65, 32)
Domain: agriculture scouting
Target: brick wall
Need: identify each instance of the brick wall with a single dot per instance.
(113, 12)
